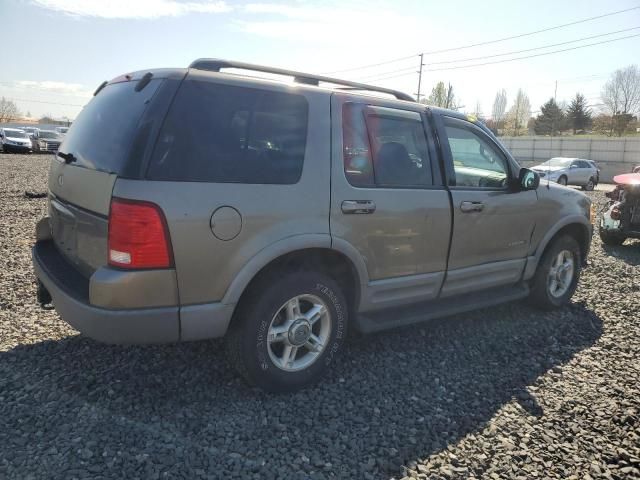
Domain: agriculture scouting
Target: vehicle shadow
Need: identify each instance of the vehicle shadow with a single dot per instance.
(629, 252)
(392, 398)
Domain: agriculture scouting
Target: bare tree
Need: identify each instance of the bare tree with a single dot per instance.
(8, 110)
(478, 110)
(621, 97)
(519, 113)
(621, 94)
(499, 108)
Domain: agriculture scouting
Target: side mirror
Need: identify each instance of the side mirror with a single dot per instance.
(528, 179)
(573, 165)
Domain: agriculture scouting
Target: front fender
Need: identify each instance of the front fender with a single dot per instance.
(532, 261)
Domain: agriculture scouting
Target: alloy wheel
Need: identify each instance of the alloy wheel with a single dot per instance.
(299, 332)
(561, 273)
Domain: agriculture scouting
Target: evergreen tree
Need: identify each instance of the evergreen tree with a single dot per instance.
(579, 114)
(550, 120)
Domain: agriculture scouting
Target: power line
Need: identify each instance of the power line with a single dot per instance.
(507, 60)
(395, 72)
(363, 67)
(532, 33)
(383, 74)
(536, 55)
(532, 49)
(489, 42)
(41, 101)
(13, 85)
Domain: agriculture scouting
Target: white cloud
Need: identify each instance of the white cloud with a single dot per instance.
(140, 9)
(47, 86)
(358, 24)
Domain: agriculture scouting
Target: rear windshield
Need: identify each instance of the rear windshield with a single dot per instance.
(229, 134)
(100, 138)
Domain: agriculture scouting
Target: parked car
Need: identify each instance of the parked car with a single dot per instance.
(14, 140)
(621, 220)
(31, 131)
(48, 141)
(282, 215)
(569, 171)
(62, 131)
(33, 135)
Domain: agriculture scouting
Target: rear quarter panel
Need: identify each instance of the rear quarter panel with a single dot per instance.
(206, 265)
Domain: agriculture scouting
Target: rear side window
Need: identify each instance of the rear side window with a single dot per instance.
(100, 138)
(227, 134)
(384, 147)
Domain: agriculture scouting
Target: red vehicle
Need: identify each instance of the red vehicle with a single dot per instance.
(622, 218)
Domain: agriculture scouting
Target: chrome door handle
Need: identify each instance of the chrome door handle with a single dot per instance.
(467, 207)
(351, 207)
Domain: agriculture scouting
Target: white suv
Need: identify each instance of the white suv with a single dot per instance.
(14, 141)
(569, 171)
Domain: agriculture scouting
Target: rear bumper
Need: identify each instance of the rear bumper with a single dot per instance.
(70, 293)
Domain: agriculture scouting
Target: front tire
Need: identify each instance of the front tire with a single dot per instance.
(288, 330)
(557, 275)
(611, 239)
(562, 180)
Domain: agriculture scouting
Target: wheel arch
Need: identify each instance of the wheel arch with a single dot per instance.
(577, 227)
(313, 252)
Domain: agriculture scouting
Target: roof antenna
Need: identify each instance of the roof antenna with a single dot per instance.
(553, 123)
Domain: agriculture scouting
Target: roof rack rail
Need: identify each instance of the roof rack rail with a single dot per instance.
(215, 65)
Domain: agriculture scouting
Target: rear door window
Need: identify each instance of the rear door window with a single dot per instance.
(100, 138)
(384, 147)
(228, 134)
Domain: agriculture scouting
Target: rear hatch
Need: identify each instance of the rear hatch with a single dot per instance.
(109, 139)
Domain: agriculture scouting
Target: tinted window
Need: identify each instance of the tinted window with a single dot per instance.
(358, 166)
(384, 147)
(50, 135)
(100, 138)
(476, 161)
(584, 164)
(221, 133)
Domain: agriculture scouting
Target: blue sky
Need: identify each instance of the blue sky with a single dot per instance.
(59, 51)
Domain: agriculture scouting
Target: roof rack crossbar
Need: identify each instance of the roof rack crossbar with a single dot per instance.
(215, 65)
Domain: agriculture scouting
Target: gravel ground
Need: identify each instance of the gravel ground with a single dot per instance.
(505, 392)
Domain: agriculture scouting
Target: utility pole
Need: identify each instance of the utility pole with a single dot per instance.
(553, 119)
(553, 126)
(420, 77)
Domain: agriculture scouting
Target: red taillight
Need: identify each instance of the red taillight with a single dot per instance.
(138, 235)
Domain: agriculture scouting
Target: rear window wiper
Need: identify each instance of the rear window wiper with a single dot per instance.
(100, 87)
(67, 157)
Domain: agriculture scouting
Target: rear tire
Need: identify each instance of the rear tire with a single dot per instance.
(611, 239)
(555, 281)
(562, 180)
(276, 341)
(590, 185)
